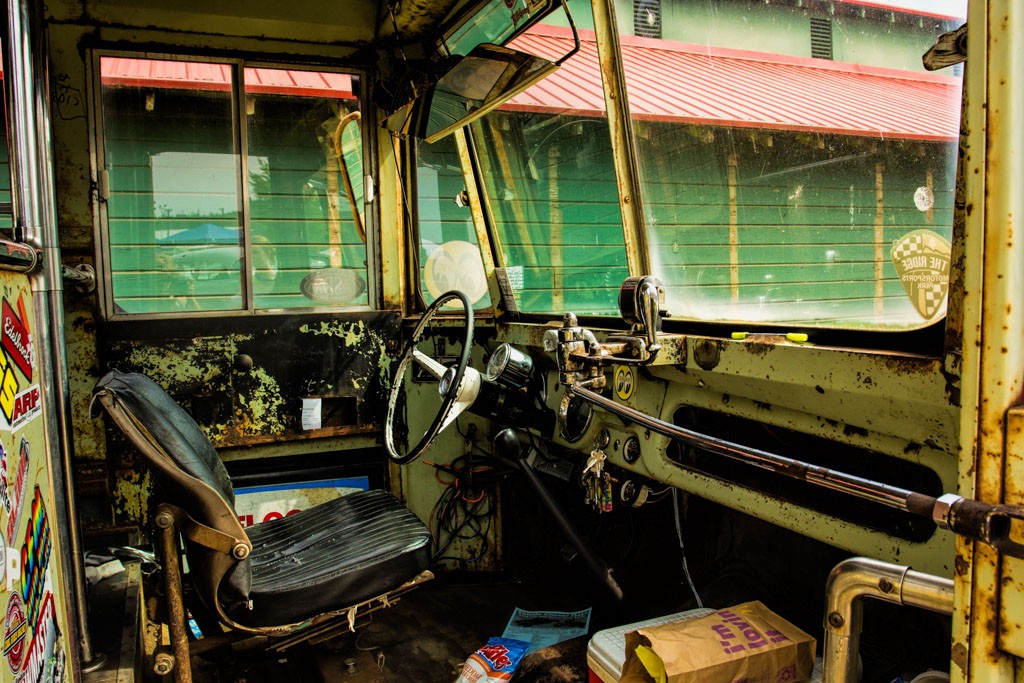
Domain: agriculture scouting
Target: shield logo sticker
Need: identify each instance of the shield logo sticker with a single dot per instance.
(921, 258)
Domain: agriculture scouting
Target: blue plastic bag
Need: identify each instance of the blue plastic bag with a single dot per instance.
(495, 661)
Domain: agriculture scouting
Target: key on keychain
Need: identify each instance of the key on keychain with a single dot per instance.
(590, 477)
(595, 462)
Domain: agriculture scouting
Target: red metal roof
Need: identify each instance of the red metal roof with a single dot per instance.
(670, 81)
(158, 73)
(667, 81)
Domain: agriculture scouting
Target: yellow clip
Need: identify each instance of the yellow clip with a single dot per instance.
(796, 337)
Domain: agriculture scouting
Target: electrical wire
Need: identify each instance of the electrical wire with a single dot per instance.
(466, 508)
(682, 549)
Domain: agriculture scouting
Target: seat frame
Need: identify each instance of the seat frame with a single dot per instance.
(228, 544)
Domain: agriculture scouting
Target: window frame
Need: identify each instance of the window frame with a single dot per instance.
(99, 186)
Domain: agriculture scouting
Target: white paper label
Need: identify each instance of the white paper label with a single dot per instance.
(311, 413)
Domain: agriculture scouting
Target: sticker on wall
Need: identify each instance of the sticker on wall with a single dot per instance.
(15, 632)
(57, 664)
(624, 382)
(9, 387)
(921, 258)
(44, 644)
(456, 265)
(16, 337)
(18, 492)
(5, 494)
(28, 405)
(35, 559)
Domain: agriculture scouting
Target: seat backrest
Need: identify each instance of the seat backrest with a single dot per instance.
(189, 474)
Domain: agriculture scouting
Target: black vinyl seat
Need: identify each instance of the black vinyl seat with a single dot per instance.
(280, 575)
(333, 555)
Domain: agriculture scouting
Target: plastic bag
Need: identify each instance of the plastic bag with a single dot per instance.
(495, 661)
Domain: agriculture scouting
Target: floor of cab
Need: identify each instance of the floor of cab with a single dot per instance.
(426, 634)
(425, 637)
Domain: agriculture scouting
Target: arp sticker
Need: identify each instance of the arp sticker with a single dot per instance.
(15, 634)
(28, 405)
(921, 258)
(624, 382)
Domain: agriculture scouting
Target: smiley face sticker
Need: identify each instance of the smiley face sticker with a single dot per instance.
(625, 382)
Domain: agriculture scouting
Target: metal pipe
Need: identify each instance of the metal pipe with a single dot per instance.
(981, 521)
(860, 577)
(33, 199)
(176, 615)
(507, 445)
(18, 257)
(891, 496)
(624, 157)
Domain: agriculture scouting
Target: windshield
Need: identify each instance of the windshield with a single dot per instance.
(808, 181)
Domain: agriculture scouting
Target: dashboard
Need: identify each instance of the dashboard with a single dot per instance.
(825, 441)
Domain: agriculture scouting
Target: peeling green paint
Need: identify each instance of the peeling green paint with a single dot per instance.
(131, 494)
(263, 405)
(202, 360)
(349, 332)
(356, 334)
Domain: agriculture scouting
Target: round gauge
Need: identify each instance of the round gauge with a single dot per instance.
(577, 419)
(445, 383)
(631, 450)
(510, 367)
(498, 361)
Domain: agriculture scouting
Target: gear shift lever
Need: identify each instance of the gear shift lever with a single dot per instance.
(507, 445)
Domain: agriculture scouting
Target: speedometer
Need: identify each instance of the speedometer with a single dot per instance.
(510, 367)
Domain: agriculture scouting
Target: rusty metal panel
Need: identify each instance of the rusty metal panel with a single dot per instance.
(246, 387)
(346, 363)
(1011, 604)
(993, 359)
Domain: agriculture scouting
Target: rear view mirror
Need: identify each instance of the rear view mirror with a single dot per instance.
(481, 81)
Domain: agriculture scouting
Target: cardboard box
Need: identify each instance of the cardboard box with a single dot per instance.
(744, 644)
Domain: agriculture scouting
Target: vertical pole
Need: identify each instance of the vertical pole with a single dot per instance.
(332, 171)
(879, 235)
(557, 236)
(627, 172)
(32, 193)
(992, 164)
(176, 615)
(489, 250)
(734, 232)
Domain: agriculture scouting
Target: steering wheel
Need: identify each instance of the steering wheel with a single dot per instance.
(458, 385)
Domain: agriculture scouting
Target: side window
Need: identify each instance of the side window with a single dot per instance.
(224, 188)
